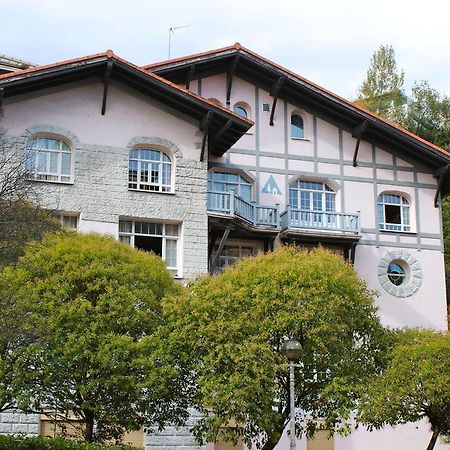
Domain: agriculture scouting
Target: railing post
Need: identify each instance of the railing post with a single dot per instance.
(358, 218)
(232, 202)
(255, 213)
(277, 221)
(288, 209)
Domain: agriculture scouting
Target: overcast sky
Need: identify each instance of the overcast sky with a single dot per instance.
(329, 42)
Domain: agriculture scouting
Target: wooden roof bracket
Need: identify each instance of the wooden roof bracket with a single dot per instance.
(357, 133)
(274, 93)
(190, 76)
(204, 126)
(221, 131)
(441, 176)
(106, 78)
(230, 75)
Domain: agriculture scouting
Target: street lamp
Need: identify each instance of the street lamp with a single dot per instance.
(292, 350)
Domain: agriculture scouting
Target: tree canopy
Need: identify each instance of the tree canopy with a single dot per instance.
(382, 90)
(232, 327)
(415, 385)
(90, 308)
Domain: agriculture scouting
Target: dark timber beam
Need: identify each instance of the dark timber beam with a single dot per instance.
(230, 75)
(274, 93)
(106, 78)
(215, 261)
(443, 177)
(221, 131)
(204, 126)
(190, 76)
(357, 133)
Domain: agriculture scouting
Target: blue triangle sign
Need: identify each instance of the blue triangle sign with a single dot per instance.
(271, 187)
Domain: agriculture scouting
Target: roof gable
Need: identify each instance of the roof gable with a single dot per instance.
(223, 127)
(301, 92)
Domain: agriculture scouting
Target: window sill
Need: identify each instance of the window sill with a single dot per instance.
(67, 183)
(406, 233)
(300, 139)
(151, 192)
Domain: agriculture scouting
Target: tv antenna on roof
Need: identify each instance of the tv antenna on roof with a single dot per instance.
(172, 31)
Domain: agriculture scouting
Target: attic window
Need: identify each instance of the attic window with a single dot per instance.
(241, 111)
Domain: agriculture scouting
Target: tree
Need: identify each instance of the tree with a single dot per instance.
(414, 386)
(429, 114)
(21, 219)
(90, 308)
(382, 90)
(232, 326)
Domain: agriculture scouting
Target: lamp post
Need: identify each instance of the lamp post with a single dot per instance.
(292, 350)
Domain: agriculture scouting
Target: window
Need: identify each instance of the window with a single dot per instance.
(396, 273)
(225, 182)
(393, 213)
(69, 222)
(297, 127)
(149, 170)
(49, 160)
(312, 196)
(241, 111)
(159, 238)
(232, 253)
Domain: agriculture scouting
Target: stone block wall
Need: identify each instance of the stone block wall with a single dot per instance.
(14, 422)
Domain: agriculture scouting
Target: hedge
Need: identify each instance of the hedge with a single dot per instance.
(58, 443)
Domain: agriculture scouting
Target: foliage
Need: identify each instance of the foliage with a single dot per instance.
(90, 308)
(429, 114)
(415, 385)
(21, 221)
(382, 90)
(230, 328)
(58, 443)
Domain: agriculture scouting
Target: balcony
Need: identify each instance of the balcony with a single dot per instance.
(327, 222)
(233, 206)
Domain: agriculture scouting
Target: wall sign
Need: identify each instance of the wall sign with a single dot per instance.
(271, 187)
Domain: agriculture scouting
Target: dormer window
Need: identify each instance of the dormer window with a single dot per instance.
(149, 170)
(49, 159)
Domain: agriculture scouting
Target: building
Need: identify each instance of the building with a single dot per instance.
(211, 157)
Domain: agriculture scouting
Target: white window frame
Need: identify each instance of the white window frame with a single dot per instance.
(159, 187)
(128, 238)
(64, 216)
(292, 125)
(243, 180)
(326, 189)
(405, 212)
(33, 152)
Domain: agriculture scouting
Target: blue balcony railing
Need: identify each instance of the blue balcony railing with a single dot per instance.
(231, 204)
(303, 219)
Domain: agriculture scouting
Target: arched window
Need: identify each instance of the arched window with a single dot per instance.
(312, 196)
(149, 170)
(241, 111)
(49, 159)
(393, 213)
(215, 101)
(297, 127)
(225, 182)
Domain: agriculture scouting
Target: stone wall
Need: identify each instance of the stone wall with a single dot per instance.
(14, 422)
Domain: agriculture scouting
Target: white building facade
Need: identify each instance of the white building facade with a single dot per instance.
(215, 156)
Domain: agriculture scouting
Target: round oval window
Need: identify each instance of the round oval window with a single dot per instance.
(396, 274)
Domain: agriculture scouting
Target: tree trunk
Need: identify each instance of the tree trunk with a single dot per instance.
(89, 430)
(433, 438)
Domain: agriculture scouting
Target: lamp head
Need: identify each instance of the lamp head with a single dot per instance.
(292, 350)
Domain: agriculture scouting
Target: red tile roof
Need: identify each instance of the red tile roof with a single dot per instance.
(111, 55)
(238, 47)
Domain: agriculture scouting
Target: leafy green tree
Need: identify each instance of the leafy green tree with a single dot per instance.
(90, 308)
(414, 386)
(229, 329)
(429, 114)
(382, 90)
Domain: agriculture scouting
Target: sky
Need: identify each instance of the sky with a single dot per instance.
(328, 42)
